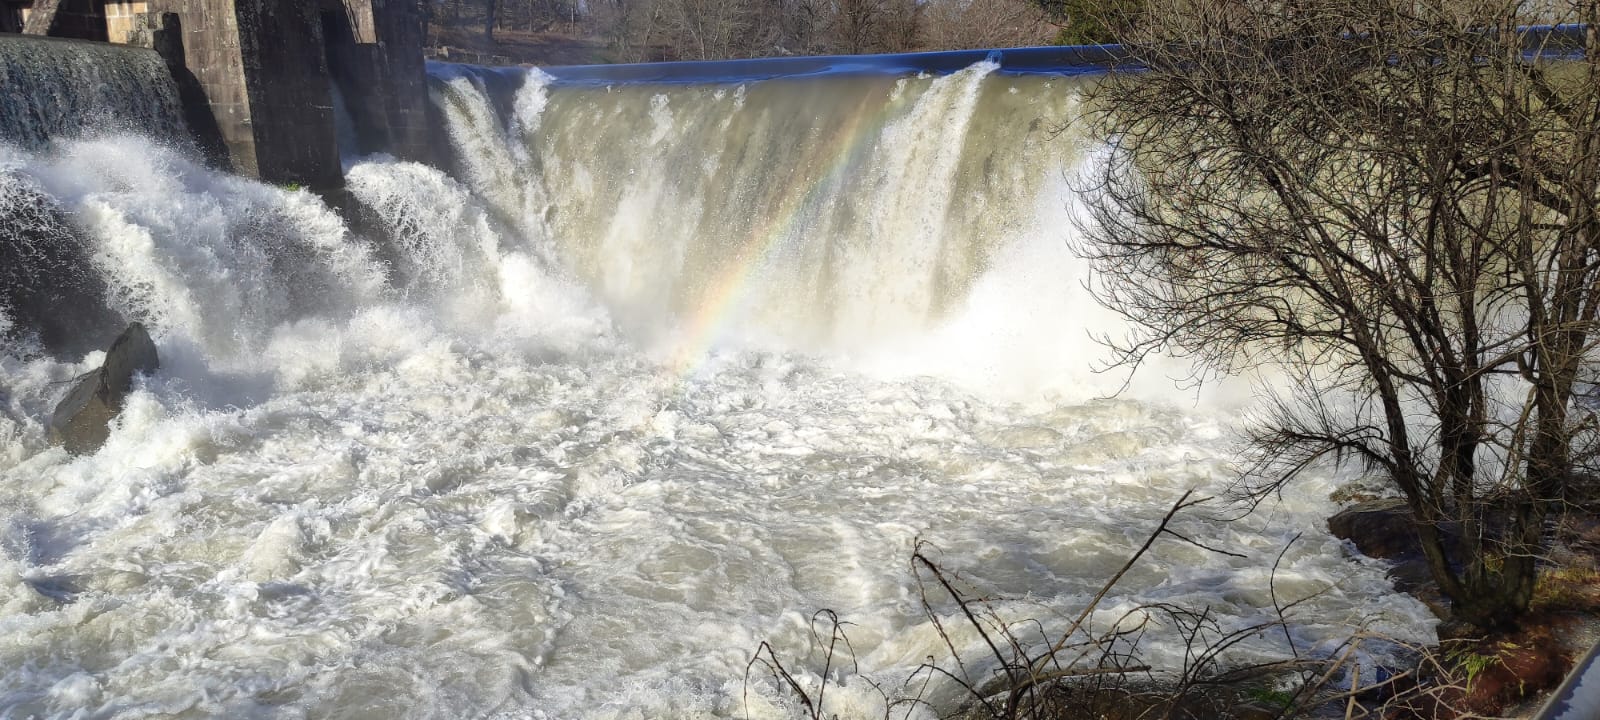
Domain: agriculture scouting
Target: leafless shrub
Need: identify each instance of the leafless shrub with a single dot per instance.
(962, 24)
(1397, 203)
(1030, 672)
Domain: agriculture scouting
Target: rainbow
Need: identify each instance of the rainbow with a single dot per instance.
(730, 289)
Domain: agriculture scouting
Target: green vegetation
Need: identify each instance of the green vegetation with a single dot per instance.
(1470, 663)
(1567, 588)
(1279, 699)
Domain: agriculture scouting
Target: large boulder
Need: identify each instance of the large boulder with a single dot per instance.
(1378, 528)
(49, 287)
(82, 420)
(1384, 529)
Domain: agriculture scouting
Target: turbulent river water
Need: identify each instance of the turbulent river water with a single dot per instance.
(656, 373)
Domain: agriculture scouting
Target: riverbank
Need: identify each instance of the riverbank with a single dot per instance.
(1506, 674)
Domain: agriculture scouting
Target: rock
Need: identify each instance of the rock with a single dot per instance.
(81, 421)
(1384, 529)
(49, 287)
(1378, 528)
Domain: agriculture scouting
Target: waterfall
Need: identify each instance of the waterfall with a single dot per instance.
(652, 372)
(57, 90)
(62, 88)
(49, 292)
(861, 214)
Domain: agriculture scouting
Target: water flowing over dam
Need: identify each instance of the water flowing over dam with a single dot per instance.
(58, 89)
(653, 373)
(856, 215)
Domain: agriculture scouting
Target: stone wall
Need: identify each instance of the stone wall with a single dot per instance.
(256, 76)
(81, 19)
(260, 67)
(122, 19)
(110, 21)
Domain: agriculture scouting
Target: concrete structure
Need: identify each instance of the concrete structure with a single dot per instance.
(82, 19)
(262, 71)
(122, 19)
(106, 20)
(375, 54)
(256, 76)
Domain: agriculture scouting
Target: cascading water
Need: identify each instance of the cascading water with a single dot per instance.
(46, 270)
(838, 215)
(56, 89)
(660, 372)
(62, 90)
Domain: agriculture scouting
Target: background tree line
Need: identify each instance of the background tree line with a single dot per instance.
(648, 30)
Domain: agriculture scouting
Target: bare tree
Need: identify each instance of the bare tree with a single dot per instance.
(722, 29)
(962, 24)
(1395, 200)
(868, 26)
(1089, 22)
(618, 21)
(708, 29)
(797, 27)
(645, 30)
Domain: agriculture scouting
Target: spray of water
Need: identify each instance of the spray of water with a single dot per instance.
(661, 371)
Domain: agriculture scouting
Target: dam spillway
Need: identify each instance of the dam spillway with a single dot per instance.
(654, 373)
(59, 89)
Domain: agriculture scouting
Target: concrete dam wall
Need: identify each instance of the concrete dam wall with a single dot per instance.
(255, 78)
(247, 85)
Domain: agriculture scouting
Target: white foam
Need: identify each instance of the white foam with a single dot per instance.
(469, 493)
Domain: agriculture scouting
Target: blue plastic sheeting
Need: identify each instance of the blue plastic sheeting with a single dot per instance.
(1539, 42)
(1579, 697)
(1061, 60)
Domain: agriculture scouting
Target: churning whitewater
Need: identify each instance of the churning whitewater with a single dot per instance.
(654, 374)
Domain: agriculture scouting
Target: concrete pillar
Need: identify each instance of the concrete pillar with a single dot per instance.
(375, 52)
(260, 67)
(163, 33)
(42, 17)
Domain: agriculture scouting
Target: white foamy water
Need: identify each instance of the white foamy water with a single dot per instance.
(665, 372)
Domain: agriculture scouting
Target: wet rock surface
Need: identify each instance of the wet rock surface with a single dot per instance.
(81, 421)
(1384, 529)
(48, 287)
